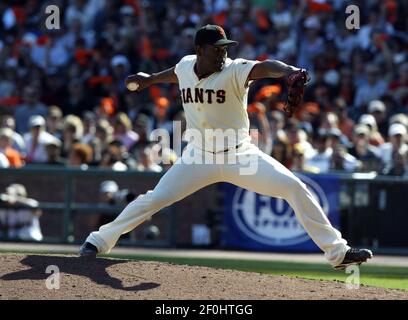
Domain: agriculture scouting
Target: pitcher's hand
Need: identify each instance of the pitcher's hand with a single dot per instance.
(137, 82)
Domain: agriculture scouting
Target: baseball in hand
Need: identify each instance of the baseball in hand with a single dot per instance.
(132, 86)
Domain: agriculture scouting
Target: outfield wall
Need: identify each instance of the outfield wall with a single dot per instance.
(372, 210)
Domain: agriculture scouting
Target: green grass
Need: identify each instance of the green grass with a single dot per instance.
(371, 275)
(378, 276)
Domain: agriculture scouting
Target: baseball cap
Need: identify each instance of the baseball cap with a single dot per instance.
(55, 111)
(376, 105)
(37, 121)
(119, 60)
(361, 129)
(334, 132)
(397, 128)
(6, 132)
(212, 34)
(54, 142)
(16, 189)
(368, 119)
(399, 118)
(109, 186)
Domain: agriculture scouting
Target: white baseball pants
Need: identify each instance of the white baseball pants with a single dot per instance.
(269, 177)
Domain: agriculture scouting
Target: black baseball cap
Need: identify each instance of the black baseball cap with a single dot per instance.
(212, 34)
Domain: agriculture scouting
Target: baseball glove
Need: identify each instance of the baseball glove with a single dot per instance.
(296, 82)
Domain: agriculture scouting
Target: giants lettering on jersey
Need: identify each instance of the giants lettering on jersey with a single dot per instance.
(200, 95)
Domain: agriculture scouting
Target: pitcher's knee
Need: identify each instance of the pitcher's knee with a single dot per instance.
(295, 187)
(162, 201)
(157, 200)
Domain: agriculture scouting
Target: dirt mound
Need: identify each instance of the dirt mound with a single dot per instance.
(25, 277)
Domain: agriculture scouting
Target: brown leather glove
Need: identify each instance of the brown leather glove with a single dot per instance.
(296, 82)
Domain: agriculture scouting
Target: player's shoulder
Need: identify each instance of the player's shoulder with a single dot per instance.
(242, 61)
(238, 63)
(185, 63)
(191, 58)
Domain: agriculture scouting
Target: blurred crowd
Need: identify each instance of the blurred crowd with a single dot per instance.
(19, 215)
(63, 100)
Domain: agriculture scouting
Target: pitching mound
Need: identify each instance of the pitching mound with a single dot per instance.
(25, 277)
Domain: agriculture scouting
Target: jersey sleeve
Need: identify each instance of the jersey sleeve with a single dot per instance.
(182, 64)
(241, 70)
(177, 68)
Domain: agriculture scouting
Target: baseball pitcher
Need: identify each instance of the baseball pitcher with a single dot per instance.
(214, 92)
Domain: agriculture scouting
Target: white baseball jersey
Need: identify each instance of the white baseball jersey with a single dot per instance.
(218, 101)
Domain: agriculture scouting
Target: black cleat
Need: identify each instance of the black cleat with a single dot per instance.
(354, 257)
(88, 250)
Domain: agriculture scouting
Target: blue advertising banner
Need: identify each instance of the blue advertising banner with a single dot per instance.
(257, 222)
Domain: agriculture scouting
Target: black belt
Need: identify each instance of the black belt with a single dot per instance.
(228, 149)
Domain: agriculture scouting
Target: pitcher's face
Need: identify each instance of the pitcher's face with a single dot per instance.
(213, 56)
